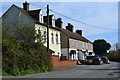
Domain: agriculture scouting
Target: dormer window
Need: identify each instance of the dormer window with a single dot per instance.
(40, 17)
(53, 21)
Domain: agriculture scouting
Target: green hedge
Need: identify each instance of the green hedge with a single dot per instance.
(20, 58)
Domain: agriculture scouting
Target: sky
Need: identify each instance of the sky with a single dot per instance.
(100, 14)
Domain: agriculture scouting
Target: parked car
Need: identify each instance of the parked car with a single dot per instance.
(105, 60)
(97, 61)
(89, 59)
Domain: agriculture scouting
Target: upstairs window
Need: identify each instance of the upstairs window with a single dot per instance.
(40, 18)
(39, 32)
(77, 44)
(83, 45)
(56, 38)
(39, 35)
(44, 36)
(73, 43)
(53, 22)
(52, 38)
(86, 45)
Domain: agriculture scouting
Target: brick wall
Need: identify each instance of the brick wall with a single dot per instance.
(57, 63)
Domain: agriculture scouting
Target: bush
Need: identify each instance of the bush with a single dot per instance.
(114, 56)
(21, 55)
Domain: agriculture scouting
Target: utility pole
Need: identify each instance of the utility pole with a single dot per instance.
(48, 28)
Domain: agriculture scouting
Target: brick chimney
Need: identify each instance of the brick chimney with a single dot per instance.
(79, 32)
(69, 27)
(58, 23)
(26, 6)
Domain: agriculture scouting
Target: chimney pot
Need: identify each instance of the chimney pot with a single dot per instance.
(69, 27)
(79, 32)
(26, 6)
(58, 23)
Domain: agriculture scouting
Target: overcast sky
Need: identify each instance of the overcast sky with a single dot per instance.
(100, 14)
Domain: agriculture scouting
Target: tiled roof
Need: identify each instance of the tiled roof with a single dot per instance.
(74, 35)
(36, 21)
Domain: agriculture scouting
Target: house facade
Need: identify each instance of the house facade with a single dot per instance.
(16, 17)
(74, 45)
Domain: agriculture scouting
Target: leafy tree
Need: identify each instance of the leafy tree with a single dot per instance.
(100, 46)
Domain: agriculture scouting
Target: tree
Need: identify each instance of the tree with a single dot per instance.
(100, 46)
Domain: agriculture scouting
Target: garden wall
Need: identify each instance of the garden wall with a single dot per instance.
(57, 63)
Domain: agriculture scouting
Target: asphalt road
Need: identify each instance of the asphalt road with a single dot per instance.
(111, 70)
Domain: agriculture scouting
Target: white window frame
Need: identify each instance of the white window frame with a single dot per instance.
(45, 36)
(77, 44)
(73, 43)
(83, 45)
(52, 38)
(39, 33)
(56, 38)
(53, 22)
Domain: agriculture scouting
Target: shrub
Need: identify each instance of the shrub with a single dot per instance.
(114, 56)
(21, 55)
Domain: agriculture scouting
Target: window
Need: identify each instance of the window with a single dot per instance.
(83, 44)
(53, 22)
(56, 38)
(41, 18)
(72, 43)
(52, 38)
(77, 44)
(38, 35)
(39, 32)
(44, 36)
(86, 45)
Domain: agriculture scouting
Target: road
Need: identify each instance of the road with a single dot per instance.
(82, 71)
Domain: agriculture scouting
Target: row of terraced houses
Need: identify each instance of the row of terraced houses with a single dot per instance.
(64, 43)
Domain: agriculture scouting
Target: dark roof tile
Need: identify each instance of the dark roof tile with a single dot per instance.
(74, 35)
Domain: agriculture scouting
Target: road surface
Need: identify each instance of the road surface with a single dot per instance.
(111, 70)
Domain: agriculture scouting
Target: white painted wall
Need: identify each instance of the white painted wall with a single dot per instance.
(55, 47)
